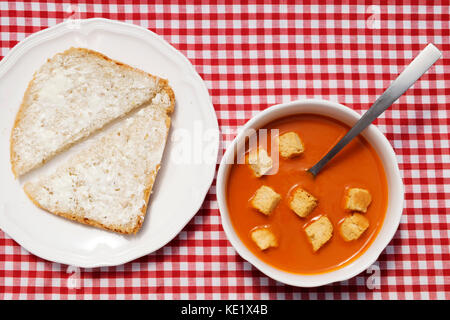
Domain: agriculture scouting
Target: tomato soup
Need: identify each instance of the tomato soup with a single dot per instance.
(356, 166)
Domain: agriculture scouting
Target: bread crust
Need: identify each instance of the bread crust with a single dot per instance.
(162, 83)
(152, 177)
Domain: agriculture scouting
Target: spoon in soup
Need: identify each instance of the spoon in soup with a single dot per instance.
(406, 79)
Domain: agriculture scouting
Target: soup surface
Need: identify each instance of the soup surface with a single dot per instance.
(357, 165)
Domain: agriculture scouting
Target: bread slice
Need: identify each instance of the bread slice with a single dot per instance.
(72, 95)
(108, 183)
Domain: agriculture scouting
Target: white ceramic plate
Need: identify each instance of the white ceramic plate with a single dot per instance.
(395, 192)
(182, 183)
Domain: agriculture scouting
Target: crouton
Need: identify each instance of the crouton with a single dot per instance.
(260, 162)
(353, 226)
(319, 232)
(358, 199)
(302, 202)
(290, 145)
(265, 200)
(264, 238)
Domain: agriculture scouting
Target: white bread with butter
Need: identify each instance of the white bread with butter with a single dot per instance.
(74, 94)
(108, 184)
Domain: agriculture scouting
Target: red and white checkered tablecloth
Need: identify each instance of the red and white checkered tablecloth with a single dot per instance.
(252, 56)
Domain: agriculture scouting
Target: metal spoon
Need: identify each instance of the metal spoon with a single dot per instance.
(406, 79)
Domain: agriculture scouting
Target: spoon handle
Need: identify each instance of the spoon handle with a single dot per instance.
(406, 79)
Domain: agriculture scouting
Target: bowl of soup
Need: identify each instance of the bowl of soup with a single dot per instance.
(299, 229)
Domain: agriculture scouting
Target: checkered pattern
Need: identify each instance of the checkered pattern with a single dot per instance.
(252, 56)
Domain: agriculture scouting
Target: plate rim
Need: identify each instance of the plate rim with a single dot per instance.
(74, 259)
